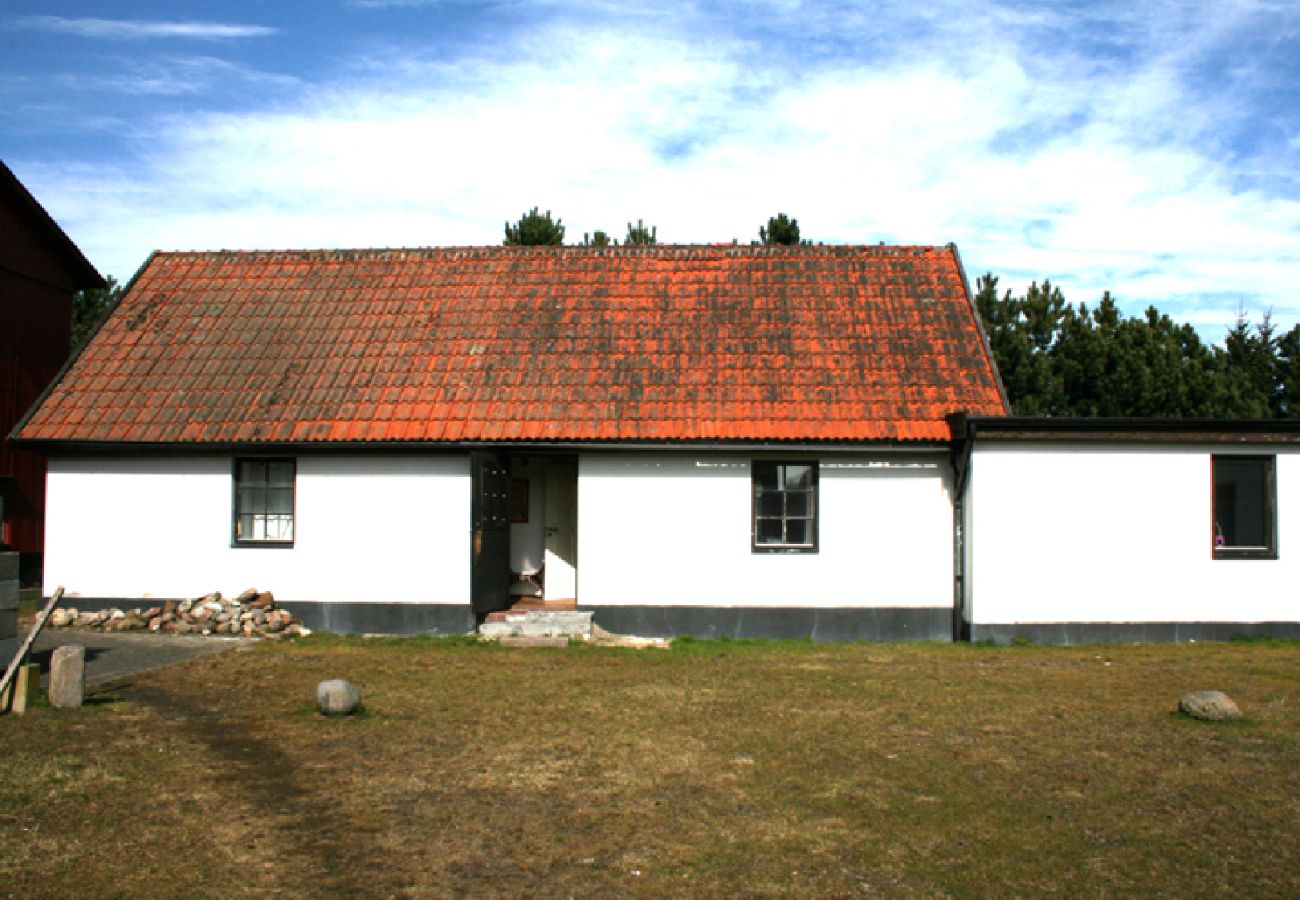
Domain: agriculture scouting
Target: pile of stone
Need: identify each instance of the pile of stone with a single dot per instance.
(252, 614)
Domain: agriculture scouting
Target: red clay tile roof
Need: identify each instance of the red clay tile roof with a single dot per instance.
(531, 344)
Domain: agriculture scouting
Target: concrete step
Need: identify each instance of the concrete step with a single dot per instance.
(538, 623)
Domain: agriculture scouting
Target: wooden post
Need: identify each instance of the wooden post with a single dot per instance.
(30, 639)
(26, 687)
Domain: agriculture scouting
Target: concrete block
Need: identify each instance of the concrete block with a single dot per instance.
(68, 677)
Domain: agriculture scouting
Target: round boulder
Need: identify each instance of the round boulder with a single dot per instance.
(1214, 706)
(337, 697)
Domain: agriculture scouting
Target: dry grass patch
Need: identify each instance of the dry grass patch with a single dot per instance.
(713, 768)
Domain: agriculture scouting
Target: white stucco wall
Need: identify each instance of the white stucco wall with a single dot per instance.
(368, 528)
(1084, 533)
(674, 529)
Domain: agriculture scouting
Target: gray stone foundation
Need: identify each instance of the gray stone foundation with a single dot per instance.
(1130, 632)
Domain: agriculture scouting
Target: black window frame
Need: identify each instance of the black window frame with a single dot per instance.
(1269, 505)
(757, 492)
(237, 499)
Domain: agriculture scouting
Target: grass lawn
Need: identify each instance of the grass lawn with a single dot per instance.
(711, 768)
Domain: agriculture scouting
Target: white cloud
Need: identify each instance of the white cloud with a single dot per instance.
(173, 76)
(136, 29)
(1096, 174)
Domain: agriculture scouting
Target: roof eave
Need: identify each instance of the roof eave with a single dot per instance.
(1132, 429)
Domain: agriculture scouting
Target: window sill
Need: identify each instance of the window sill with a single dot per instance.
(280, 545)
(1244, 553)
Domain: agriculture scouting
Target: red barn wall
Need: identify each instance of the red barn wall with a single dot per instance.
(36, 290)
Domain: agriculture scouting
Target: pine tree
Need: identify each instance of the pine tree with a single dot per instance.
(780, 230)
(89, 306)
(597, 238)
(535, 229)
(639, 235)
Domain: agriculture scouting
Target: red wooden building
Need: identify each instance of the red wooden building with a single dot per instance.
(40, 270)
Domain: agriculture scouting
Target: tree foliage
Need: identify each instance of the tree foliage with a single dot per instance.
(780, 229)
(89, 306)
(639, 235)
(1062, 360)
(534, 229)
(597, 238)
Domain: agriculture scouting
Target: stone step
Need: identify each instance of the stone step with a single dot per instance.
(538, 623)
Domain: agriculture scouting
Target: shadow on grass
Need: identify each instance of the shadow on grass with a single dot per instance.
(322, 839)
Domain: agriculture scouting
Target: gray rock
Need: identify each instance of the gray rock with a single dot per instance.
(1215, 706)
(68, 677)
(337, 697)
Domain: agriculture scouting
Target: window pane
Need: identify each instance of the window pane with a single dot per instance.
(280, 473)
(1241, 503)
(770, 505)
(798, 477)
(765, 476)
(250, 471)
(245, 531)
(279, 500)
(279, 528)
(252, 499)
(798, 531)
(797, 504)
(769, 531)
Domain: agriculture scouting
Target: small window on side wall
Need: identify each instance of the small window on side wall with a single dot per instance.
(785, 507)
(1244, 503)
(264, 502)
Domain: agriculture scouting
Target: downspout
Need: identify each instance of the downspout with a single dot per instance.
(959, 452)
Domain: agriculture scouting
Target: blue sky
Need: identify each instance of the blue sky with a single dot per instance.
(1149, 149)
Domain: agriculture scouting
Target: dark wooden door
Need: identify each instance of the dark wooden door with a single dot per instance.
(490, 535)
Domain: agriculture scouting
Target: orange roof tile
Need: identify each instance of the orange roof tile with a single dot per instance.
(531, 344)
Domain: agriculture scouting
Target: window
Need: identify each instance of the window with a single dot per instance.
(264, 501)
(785, 506)
(1243, 508)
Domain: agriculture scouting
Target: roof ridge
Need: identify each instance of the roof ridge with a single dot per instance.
(566, 249)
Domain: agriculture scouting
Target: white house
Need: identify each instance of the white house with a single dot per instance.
(743, 441)
(1088, 530)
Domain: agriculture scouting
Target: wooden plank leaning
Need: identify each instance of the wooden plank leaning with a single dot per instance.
(30, 639)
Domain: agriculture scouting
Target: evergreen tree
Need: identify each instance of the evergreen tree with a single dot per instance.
(1288, 374)
(1021, 330)
(1061, 360)
(1250, 367)
(780, 230)
(597, 238)
(534, 229)
(639, 235)
(89, 306)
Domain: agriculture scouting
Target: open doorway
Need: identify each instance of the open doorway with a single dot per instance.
(544, 530)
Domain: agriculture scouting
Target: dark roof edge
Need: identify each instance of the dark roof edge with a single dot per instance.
(1135, 429)
(979, 327)
(89, 275)
(880, 249)
(73, 357)
(738, 446)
